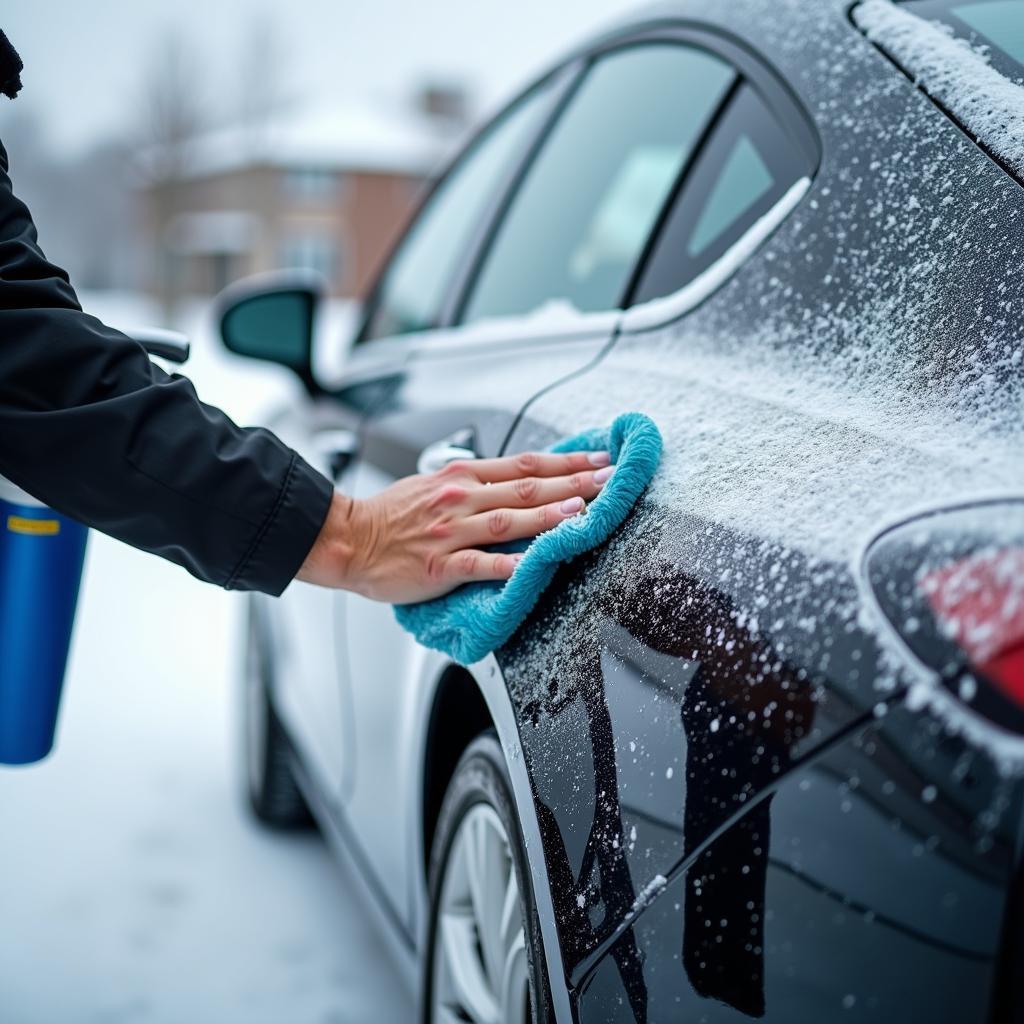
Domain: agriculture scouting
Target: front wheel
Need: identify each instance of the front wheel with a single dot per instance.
(485, 963)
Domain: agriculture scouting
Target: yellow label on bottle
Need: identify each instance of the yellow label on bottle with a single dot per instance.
(36, 527)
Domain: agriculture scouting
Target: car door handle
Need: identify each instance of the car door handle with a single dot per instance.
(458, 446)
(336, 448)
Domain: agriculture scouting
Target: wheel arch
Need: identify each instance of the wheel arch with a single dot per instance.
(478, 693)
(458, 714)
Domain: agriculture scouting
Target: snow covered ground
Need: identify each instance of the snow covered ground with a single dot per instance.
(133, 886)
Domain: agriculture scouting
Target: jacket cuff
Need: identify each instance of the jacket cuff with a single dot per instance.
(283, 541)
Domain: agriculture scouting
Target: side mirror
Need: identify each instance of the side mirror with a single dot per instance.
(271, 317)
(336, 334)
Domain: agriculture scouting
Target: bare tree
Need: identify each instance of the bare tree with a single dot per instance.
(173, 107)
(81, 202)
(263, 91)
(173, 111)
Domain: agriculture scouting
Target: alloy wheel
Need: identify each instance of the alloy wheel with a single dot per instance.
(481, 971)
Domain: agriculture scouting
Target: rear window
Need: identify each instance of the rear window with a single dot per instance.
(995, 25)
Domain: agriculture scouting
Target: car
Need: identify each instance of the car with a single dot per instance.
(761, 753)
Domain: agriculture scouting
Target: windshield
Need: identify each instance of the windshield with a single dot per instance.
(995, 25)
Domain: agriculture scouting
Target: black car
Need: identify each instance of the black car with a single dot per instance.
(759, 755)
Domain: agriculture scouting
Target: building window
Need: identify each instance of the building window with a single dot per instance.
(311, 251)
(310, 184)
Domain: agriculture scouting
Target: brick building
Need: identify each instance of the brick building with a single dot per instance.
(322, 191)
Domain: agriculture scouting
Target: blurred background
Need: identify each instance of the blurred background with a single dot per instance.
(166, 149)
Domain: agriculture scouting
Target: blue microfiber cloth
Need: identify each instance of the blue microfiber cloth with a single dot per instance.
(478, 618)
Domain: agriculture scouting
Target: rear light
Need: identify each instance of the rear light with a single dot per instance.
(951, 584)
(979, 604)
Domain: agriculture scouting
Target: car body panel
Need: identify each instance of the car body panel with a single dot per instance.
(409, 736)
(714, 687)
(302, 627)
(857, 368)
(839, 893)
(451, 386)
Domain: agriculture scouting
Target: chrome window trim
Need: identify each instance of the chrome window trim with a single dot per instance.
(646, 316)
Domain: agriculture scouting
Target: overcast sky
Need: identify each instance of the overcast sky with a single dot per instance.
(84, 58)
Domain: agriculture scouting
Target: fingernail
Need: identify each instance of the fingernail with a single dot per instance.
(571, 506)
(602, 475)
(599, 458)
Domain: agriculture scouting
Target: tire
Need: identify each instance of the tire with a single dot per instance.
(272, 793)
(478, 819)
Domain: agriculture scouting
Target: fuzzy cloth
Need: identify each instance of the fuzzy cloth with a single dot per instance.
(479, 617)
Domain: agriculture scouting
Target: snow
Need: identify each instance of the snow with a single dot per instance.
(339, 137)
(554, 316)
(798, 428)
(862, 367)
(968, 688)
(134, 887)
(654, 888)
(1006, 750)
(957, 74)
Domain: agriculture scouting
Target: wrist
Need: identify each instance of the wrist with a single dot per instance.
(330, 561)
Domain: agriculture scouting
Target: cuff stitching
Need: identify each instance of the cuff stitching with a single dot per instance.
(267, 523)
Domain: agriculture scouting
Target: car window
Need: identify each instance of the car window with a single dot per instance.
(576, 227)
(746, 165)
(413, 289)
(745, 179)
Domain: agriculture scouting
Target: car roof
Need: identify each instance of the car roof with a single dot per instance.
(743, 18)
(790, 35)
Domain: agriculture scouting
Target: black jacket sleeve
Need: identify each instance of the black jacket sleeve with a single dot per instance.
(91, 427)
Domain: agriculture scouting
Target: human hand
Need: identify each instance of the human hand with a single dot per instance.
(422, 536)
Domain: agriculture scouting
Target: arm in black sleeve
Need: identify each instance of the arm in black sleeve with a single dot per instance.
(91, 427)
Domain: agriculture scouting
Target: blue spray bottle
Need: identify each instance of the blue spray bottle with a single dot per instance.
(41, 558)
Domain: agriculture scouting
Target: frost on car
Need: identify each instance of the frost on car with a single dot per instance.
(865, 363)
(762, 748)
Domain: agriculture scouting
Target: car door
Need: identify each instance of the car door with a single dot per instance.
(542, 303)
(409, 299)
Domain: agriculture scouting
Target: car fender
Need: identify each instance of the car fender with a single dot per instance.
(489, 679)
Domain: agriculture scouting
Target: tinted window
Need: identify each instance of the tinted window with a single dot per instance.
(745, 167)
(745, 179)
(413, 289)
(575, 229)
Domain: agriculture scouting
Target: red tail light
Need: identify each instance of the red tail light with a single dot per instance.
(979, 603)
(952, 586)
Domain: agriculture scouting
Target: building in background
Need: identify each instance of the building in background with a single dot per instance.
(327, 191)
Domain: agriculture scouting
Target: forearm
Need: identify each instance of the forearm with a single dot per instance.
(89, 425)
